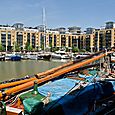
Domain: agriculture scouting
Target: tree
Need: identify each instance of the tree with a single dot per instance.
(2, 48)
(67, 49)
(50, 45)
(16, 47)
(75, 49)
(55, 49)
(28, 47)
(82, 50)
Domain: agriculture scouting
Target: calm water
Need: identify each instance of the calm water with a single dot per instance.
(12, 69)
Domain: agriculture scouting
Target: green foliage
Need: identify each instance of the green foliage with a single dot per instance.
(2, 48)
(55, 49)
(50, 45)
(16, 47)
(28, 47)
(75, 49)
(82, 50)
(67, 49)
(42, 46)
(47, 49)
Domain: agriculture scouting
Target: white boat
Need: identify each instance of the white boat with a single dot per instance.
(60, 55)
(8, 56)
(31, 56)
(113, 56)
(2, 58)
(78, 56)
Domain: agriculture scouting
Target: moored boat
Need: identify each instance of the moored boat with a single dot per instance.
(15, 58)
(8, 56)
(44, 56)
(113, 57)
(2, 58)
(31, 56)
(12, 57)
(60, 55)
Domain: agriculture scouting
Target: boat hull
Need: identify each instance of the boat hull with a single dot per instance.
(2, 58)
(15, 58)
(44, 57)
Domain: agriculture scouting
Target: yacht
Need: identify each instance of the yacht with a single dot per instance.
(31, 56)
(44, 56)
(113, 56)
(60, 55)
(2, 58)
(12, 57)
(78, 56)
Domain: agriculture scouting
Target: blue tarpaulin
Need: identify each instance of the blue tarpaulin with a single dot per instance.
(57, 88)
(80, 102)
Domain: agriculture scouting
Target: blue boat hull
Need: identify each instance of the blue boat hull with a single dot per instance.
(15, 58)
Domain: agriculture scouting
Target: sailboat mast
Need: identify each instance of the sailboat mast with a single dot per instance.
(44, 27)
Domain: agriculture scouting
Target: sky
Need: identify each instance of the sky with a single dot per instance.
(59, 13)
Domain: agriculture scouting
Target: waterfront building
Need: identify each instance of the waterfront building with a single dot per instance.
(91, 40)
(18, 34)
(90, 30)
(105, 37)
(98, 39)
(86, 41)
(75, 30)
(81, 41)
